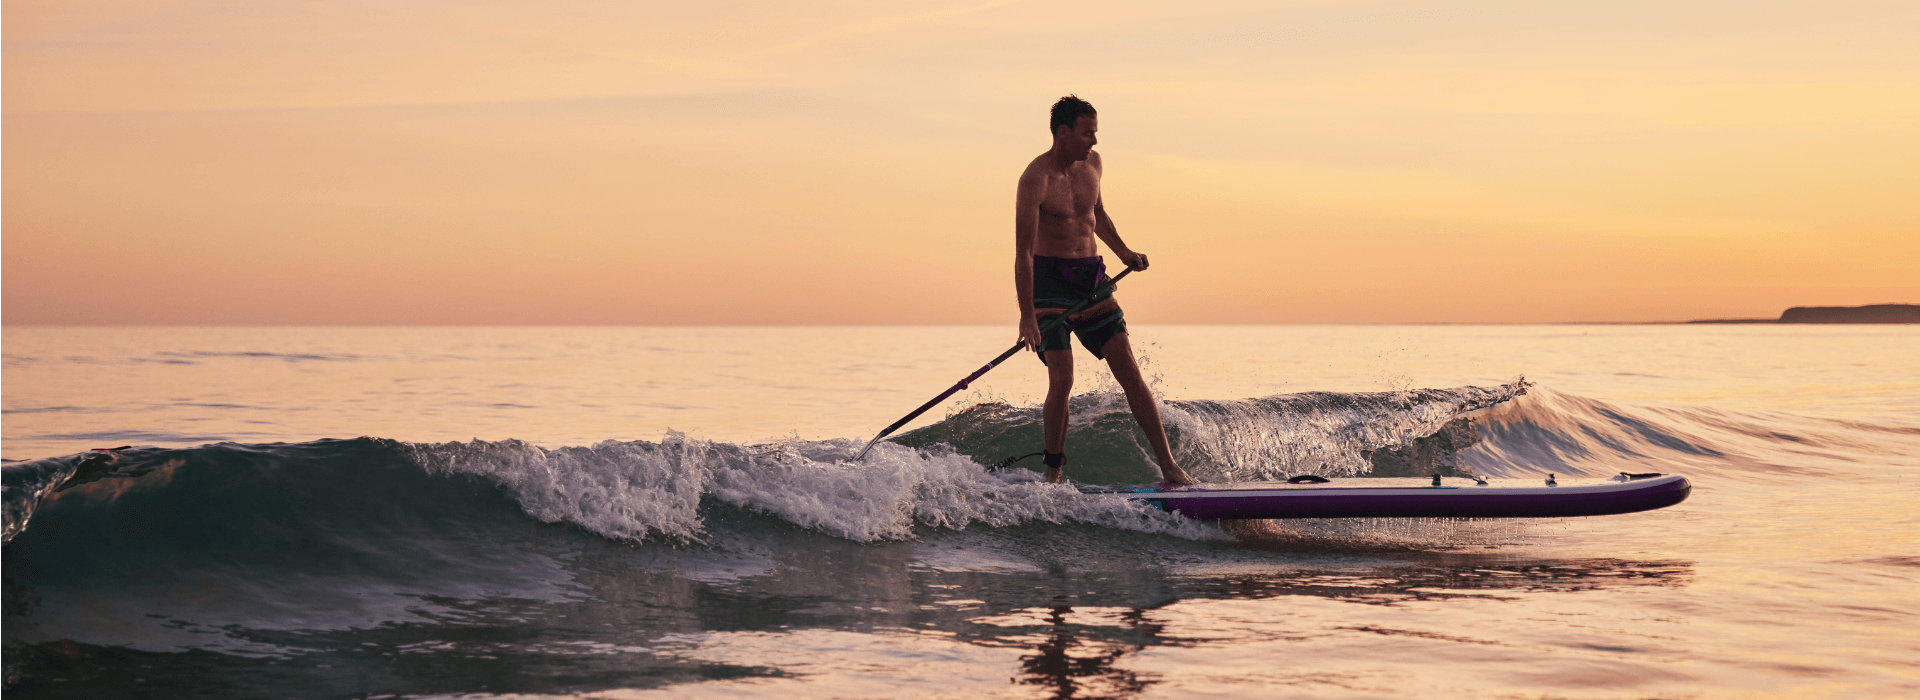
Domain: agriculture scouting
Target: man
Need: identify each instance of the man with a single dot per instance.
(1057, 215)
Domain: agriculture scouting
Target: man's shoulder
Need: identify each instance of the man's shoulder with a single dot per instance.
(1035, 173)
(1034, 166)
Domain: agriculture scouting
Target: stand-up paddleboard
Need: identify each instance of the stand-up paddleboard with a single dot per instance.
(1431, 497)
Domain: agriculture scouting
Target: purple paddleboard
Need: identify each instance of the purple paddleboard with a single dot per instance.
(1413, 498)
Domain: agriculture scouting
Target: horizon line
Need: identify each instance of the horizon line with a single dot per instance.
(1709, 322)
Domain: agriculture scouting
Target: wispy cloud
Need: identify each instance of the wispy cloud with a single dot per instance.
(875, 26)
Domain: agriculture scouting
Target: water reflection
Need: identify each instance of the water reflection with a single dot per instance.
(651, 616)
(1082, 651)
(1070, 666)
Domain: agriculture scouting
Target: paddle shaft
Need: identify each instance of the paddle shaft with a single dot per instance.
(1044, 327)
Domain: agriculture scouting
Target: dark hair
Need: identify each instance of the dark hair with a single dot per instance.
(1067, 112)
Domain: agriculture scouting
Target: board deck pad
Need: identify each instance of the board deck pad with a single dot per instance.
(1412, 498)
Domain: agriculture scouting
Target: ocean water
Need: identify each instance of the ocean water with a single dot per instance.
(671, 512)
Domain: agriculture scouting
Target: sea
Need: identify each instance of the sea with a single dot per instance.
(676, 512)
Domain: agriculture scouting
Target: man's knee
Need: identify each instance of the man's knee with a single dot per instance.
(1060, 369)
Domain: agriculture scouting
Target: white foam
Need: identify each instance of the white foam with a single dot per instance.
(635, 490)
(623, 490)
(1324, 434)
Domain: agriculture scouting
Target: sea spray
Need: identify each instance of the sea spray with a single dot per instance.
(1323, 433)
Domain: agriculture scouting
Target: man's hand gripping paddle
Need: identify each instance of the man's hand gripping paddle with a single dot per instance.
(1045, 326)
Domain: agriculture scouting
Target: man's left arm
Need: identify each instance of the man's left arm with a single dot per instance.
(1103, 227)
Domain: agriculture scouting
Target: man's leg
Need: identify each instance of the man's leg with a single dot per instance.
(1054, 416)
(1119, 353)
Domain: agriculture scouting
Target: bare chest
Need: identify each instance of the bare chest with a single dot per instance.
(1070, 195)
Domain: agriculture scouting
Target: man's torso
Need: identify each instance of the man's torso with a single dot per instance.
(1067, 202)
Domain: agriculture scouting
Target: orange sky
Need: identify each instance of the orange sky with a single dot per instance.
(574, 162)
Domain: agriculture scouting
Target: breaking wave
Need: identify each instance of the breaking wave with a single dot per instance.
(354, 495)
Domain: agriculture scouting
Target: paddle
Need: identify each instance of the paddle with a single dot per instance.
(1045, 326)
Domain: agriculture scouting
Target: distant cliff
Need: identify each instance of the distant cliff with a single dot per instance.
(1876, 313)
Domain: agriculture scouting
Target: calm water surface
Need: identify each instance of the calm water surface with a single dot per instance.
(664, 512)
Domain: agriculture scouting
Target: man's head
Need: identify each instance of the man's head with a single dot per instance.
(1074, 122)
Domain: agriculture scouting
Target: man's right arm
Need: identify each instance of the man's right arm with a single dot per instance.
(1026, 226)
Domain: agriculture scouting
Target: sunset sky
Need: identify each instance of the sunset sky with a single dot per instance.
(742, 162)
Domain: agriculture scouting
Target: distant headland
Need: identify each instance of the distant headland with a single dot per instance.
(1875, 313)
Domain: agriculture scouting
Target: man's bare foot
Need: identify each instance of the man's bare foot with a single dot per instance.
(1056, 475)
(1177, 476)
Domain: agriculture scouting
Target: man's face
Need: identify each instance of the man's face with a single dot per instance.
(1079, 140)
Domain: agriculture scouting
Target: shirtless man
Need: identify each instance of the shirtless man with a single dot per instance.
(1057, 215)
